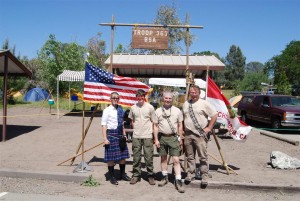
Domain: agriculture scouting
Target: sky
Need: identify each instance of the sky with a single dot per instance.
(261, 28)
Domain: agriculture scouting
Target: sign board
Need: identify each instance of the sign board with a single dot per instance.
(150, 38)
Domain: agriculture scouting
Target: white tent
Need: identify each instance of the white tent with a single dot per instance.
(175, 82)
(69, 76)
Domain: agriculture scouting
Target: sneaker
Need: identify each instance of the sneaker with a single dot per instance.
(204, 181)
(179, 186)
(134, 180)
(164, 181)
(151, 180)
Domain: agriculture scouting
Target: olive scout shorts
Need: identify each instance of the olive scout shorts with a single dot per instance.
(169, 145)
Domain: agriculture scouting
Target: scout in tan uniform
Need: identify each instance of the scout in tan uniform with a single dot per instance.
(142, 115)
(168, 138)
(196, 128)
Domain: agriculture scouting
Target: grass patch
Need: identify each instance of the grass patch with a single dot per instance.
(90, 181)
(228, 93)
(64, 104)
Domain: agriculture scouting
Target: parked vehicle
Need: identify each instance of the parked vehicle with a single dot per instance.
(276, 110)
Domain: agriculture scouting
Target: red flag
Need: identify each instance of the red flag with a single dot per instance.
(99, 84)
(226, 116)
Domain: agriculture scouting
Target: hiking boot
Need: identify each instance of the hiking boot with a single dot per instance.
(113, 180)
(134, 180)
(125, 177)
(204, 181)
(151, 180)
(179, 186)
(188, 178)
(164, 181)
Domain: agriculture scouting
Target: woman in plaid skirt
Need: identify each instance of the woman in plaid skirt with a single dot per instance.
(113, 131)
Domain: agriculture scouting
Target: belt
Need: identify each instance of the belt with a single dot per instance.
(167, 135)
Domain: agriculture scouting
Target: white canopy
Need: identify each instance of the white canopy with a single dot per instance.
(175, 82)
(69, 76)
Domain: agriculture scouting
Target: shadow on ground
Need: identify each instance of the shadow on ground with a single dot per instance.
(87, 113)
(13, 131)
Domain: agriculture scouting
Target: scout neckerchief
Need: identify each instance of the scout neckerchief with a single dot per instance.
(169, 122)
(197, 125)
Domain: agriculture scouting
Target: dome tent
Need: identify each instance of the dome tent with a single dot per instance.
(36, 94)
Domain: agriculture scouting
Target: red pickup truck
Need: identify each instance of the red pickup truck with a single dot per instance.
(276, 110)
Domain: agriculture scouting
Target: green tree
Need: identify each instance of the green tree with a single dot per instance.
(54, 57)
(5, 45)
(96, 49)
(282, 82)
(251, 82)
(217, 76)
(254, 66)
(235, 66)
(167, 15)
(286, 68)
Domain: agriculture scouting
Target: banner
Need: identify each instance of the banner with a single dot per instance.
(99, 84)
(226, 116)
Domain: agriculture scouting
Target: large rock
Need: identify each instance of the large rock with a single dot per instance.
(282, 161)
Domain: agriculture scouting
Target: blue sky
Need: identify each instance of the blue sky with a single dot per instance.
(261, 28)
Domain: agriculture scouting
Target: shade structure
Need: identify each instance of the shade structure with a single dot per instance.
(9, 66)
(160, 66)
(68, 76)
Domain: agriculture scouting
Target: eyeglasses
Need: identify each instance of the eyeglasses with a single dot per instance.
(115, 98)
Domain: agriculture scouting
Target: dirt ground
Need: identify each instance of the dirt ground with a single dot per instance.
(38, 141)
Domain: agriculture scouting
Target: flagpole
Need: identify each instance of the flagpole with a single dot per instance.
(213, 131)
(207, 70)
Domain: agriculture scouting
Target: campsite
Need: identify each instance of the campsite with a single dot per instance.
(42, 142)
(62, 64)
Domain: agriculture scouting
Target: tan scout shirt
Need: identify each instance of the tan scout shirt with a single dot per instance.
(142, 118)
(202, 110)
(175, 116)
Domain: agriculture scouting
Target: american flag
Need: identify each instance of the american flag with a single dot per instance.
(99, 84)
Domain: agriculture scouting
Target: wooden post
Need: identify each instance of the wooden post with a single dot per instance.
(83, 134)
(219, 148)
(5, 97)
(111, 45)
(86, 131)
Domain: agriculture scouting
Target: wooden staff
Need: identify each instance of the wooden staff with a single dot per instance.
(85, 133)
(219, 148)
(222, 163)
(80, 153)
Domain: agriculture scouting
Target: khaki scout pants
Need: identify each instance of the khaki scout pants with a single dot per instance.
(137, 146)
(193, 143)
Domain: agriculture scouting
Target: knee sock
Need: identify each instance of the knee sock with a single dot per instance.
(122, 168)
(111, 171)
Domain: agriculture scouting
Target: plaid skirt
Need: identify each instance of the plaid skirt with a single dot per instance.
(112, 150)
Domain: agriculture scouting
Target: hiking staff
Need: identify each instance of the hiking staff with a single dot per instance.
(224, 164)
(86, 130)
(73, 157)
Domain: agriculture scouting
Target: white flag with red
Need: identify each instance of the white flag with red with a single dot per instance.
(226, 116)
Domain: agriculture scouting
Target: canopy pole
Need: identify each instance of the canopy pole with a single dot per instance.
(69, 96)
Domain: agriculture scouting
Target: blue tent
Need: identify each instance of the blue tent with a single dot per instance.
(36, 94)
